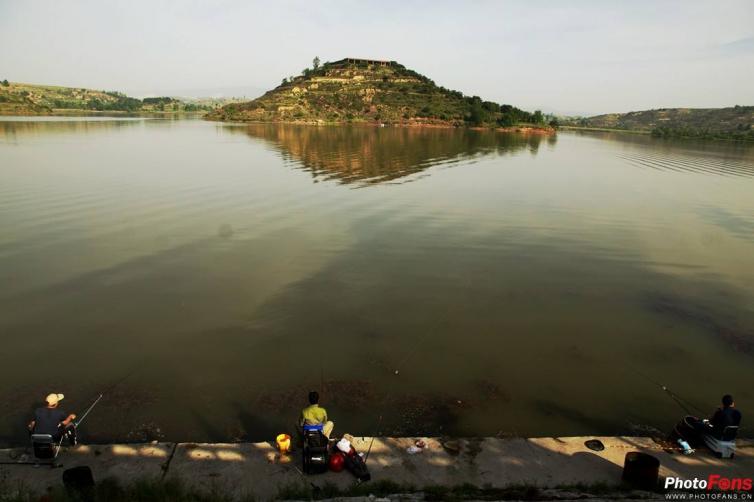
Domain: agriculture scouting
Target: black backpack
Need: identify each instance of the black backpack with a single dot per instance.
(316, 455)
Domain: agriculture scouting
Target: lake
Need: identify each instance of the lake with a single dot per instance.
(206, 276)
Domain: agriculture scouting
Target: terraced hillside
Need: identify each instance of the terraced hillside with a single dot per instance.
(730, 123)
(357, 90)
(30, 99)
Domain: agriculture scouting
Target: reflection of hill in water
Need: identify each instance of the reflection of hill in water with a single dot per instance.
(375, 155)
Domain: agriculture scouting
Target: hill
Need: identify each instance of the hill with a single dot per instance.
(714, 123)
(361, 90)
(30, 99)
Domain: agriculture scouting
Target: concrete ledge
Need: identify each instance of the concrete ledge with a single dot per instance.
(258, 469)
(120, 461)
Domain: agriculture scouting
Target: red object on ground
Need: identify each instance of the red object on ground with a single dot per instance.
(337, 462)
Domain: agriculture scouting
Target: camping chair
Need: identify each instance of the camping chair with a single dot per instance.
(723, 444)
(45, 447)
(316, 449)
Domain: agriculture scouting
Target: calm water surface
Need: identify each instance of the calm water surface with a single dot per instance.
(450, 282)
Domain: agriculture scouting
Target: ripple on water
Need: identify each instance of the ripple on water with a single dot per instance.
(683, 163)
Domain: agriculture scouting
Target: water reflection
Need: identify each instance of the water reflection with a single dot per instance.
(361, 154)
(12, 128)
(190, 259)
(690, 163)
(681, 155)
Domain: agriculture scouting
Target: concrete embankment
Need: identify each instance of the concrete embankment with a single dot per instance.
(258, 469)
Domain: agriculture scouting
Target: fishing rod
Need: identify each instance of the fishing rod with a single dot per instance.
(315, 488)
(371, 443)
(76, 423)
(688, 406)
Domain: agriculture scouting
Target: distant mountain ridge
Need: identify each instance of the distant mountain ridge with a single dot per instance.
(734, 122)
(364, 90)
(32, 99)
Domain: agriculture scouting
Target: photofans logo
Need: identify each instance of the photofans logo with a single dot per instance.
(715, 487)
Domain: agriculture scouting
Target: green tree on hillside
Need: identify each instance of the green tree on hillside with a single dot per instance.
(506, 120)
(315, 62)
(491, 107)
(6, 83)
(477, 114)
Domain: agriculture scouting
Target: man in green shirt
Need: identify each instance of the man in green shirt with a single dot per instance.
(314, 414)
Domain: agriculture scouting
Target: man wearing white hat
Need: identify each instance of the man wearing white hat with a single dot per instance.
(54, 421)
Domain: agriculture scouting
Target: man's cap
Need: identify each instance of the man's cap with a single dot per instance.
(52, 399)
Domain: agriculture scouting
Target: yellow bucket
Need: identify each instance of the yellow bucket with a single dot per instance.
(284, 443)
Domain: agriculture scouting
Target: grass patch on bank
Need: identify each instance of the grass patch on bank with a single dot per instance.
(154, 490)
(466, 491)
(110, 490)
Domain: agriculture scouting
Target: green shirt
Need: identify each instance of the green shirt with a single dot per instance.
(313, 415)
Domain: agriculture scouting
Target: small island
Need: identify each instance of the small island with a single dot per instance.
(377, 92)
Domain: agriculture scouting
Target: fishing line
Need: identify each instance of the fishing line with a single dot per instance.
(687, 407)
(685, 404)
(413, 348)
(408, 354)
(411, 352)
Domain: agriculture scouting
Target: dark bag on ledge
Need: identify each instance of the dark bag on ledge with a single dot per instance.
(316, 452)
(356, 466)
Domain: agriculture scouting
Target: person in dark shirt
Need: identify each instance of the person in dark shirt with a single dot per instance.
(726, 416)
(54, 421)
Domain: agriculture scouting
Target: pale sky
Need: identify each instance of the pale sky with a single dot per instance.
(579, 57)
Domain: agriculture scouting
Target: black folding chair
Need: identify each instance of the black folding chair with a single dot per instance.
(45, 447)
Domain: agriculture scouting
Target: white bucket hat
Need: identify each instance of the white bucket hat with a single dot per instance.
(52, 399)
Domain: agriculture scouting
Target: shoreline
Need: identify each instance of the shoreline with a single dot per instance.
(73, 112)
(523, 128)
(606, 129)
(257, 469)
(644, 132)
